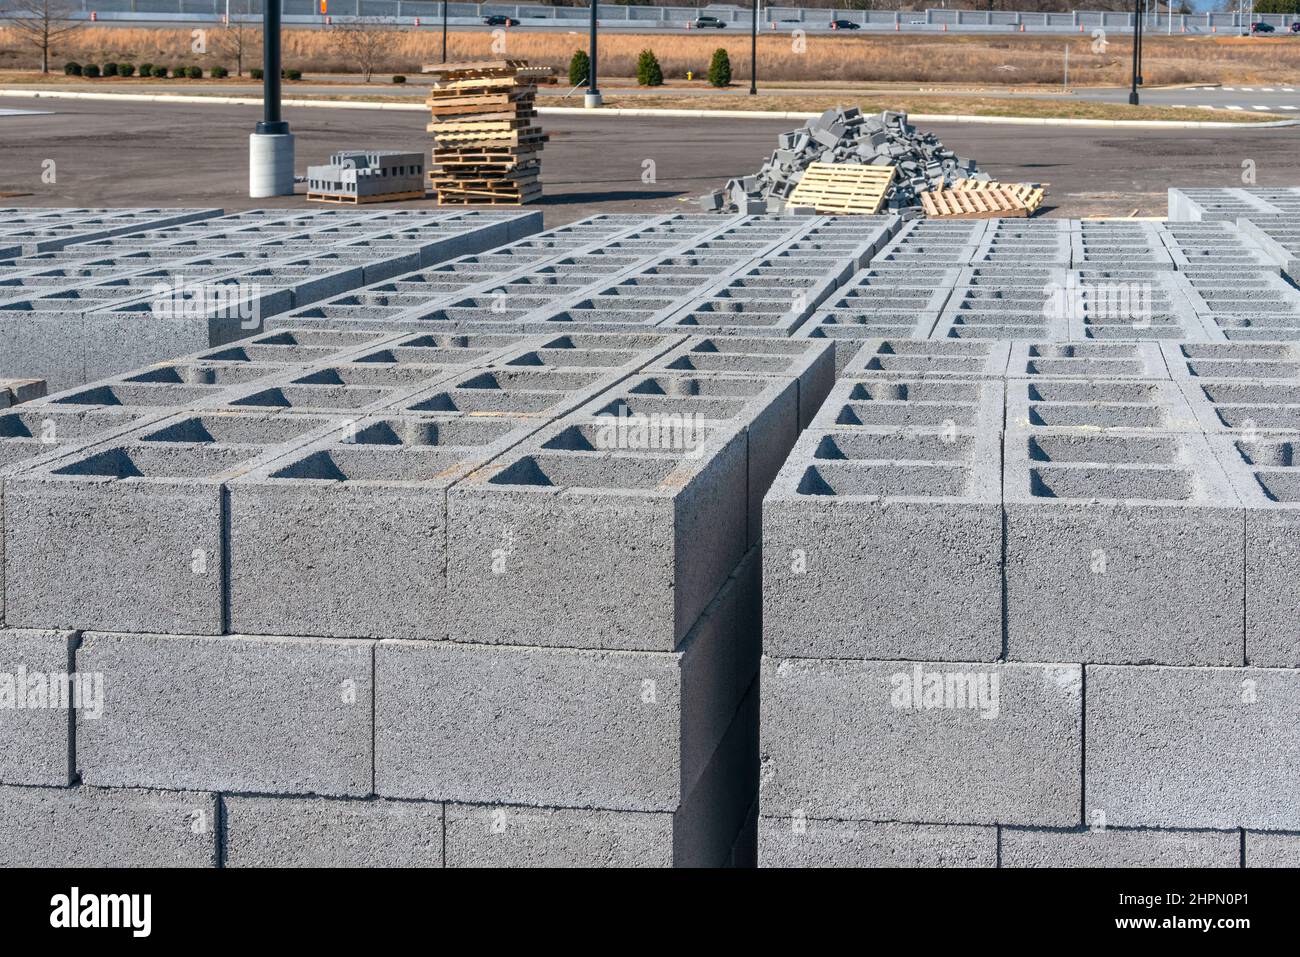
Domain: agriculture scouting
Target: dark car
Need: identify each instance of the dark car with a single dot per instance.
(497, 20)
(844, 25)
(1261, 27)
(1295, 27)
(705, 23)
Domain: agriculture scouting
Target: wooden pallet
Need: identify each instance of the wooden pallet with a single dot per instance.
(988, 203)
(1030, 194)
(843, 188)
(344, 199)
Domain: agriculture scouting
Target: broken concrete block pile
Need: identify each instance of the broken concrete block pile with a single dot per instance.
(85, 296)
(921, 161)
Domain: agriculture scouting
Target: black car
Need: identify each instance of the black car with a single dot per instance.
(497, 20)
(1295, 27)
(1261, 27)
(844, 25)
(705, 23)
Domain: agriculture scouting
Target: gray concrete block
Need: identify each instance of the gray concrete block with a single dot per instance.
(910, 741)
(707, 830)
(912, 514)
(798, 842)
(263, 715)
(43, 344)
(1086, 360)
(948, 358)
(628, 730)
(319, 832)
(811, 363)
(545, 524)
(347, 537)
(511, 836)
(38, 692)
(1098, 405)
(1237, 360)
(1121, 548)
(41, 433)
(130, 535)
(1119, 848)
(1192, 747)
(93, 827)
(1271, 849)
(1263, 476)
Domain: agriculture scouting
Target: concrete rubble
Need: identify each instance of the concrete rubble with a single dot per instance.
(683, 540)
(848, 136)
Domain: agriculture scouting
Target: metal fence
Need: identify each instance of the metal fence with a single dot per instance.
(958, 21)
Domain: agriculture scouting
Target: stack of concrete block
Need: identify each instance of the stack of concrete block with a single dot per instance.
(747, 276)
(503, 287)
(239, 496)
(1227, 205)
(108, 305)
(1076, 503)
(359, 176)
(1088, 548)
(27, 231)
(847, 136)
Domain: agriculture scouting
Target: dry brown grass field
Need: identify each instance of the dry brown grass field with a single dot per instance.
(1014, 60)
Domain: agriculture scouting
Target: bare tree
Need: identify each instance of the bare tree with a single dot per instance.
(41, 23)
(363, 41)
(240, 37)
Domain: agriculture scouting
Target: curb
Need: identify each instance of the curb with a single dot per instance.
(632, 111)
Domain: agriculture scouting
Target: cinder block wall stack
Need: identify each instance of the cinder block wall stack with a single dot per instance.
(86, 297)
(397, 598)
(459, 564)
(1023, 607)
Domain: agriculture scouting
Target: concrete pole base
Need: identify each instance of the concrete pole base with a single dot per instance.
(592, 100)
(270, 165)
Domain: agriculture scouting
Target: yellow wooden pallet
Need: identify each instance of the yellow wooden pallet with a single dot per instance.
(1030, 194)
(985, 203)
(843, 188)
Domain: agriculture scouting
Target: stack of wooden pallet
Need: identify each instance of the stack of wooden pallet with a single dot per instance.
(983, 199)
(486, 143)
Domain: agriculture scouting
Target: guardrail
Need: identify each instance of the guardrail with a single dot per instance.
(615, 15)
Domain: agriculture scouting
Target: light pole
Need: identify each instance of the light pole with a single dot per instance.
(592, 99)
(444, 31)
(753, 51)
(1137, 38)
(270, 146)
